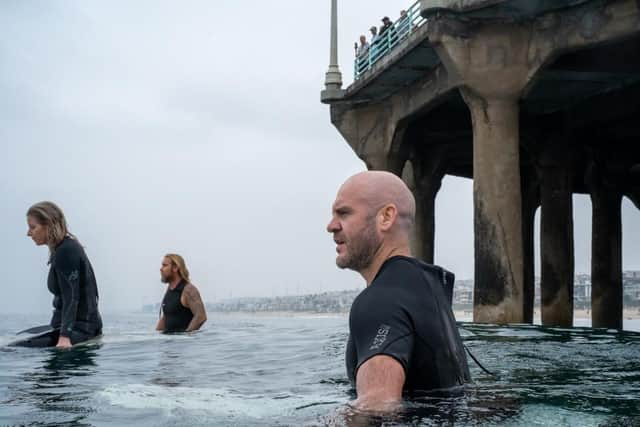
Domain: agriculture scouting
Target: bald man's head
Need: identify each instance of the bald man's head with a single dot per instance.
(371, 218)
(377, 189)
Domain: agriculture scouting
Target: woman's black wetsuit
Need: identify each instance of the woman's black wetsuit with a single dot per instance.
(75, 297)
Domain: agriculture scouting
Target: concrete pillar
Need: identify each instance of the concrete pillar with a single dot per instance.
(385, 146)
(498, 293)
(530, 203)
(606, 258)
(556, 236)
(390, 162)
(428, 171)
(494, 65)
(425, 227)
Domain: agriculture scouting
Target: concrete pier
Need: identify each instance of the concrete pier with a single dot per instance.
(516, 95)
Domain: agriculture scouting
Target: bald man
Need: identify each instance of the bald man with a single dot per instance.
(403, 336)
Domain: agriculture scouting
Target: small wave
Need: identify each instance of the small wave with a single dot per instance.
(211, 400)
(6, 340)
(129, 338)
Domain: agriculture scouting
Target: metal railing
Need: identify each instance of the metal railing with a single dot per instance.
(384, 43)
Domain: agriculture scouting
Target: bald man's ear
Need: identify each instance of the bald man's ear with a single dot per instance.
(388, 215)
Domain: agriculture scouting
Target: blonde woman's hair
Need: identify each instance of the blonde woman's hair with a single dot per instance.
(49, 214)
(178, 261)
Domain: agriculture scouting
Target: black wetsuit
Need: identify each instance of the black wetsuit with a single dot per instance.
(75, 298)
(176, 316)
(405, 313)
(73, 284)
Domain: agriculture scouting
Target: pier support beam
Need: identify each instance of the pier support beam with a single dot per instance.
(556, 235)
(499, 270)
(530, 202)
(474, 52)
(606, 254)
(385, 151)
(428, 171)
(375, 136)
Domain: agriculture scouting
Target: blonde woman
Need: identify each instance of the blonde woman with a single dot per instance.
(71, 279)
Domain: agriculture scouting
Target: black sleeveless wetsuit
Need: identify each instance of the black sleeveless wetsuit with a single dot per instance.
(405, 313)
(176, 316)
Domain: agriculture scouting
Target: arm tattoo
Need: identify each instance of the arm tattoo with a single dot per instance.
(195, 304)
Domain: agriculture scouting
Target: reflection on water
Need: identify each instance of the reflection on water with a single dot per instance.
(171, 366)
(52, 388)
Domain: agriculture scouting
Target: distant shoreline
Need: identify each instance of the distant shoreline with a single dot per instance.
(628, 314)
(283, 313)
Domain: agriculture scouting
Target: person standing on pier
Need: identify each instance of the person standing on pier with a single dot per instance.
(404, 26)
(403, 336)
(373, 44)
(362, 49)
(387, 39)
(362, 57)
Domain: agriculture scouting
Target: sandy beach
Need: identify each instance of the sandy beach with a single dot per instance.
(628, 314)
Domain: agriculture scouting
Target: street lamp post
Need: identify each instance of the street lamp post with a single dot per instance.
(333, 79)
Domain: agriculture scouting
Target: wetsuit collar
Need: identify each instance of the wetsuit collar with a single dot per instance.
(60, 242)
(387, 262)
(52, 254)
(422, 264)
(179, 286)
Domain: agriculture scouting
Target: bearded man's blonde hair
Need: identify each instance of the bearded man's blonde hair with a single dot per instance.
(178, 261)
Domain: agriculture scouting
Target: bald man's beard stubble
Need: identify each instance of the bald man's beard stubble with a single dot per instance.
(361, 249)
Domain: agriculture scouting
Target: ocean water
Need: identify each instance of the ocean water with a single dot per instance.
(255, 370)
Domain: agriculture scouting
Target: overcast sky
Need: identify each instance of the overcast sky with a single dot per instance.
(192, 127)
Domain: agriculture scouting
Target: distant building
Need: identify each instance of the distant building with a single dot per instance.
(463, 293)
(340, 301)
(631, 274)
